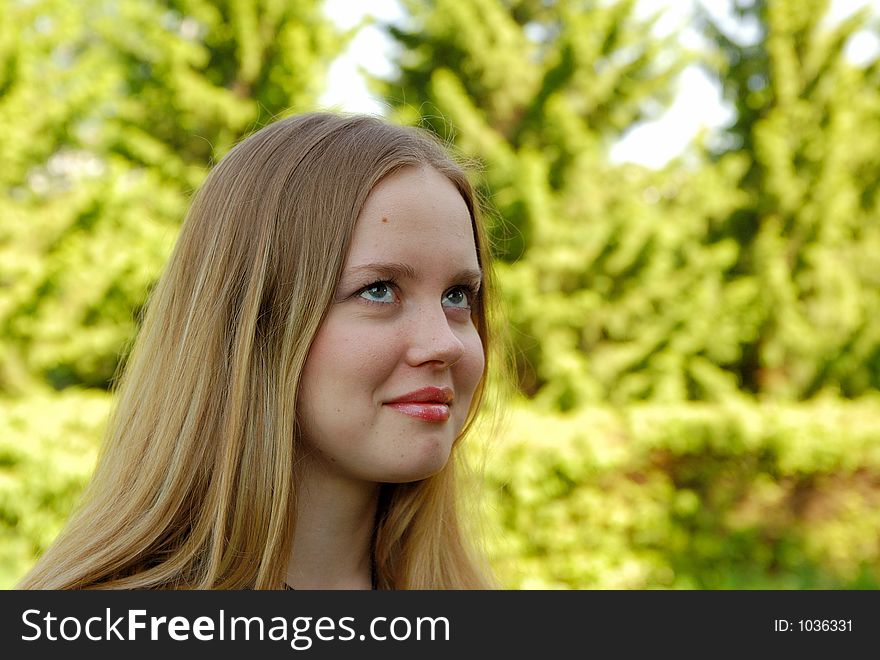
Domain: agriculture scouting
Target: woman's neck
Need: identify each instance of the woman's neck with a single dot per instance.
(332, 543)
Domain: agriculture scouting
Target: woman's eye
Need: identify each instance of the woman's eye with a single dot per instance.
(379, 292)
(458, 297)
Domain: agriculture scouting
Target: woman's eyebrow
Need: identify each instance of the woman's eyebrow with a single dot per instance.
(390, 270)
(470, 276)
(393, 270)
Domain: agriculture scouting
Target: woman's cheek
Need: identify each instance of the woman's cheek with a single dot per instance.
(475, 359)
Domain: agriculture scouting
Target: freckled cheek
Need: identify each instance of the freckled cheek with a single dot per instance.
(358, 356)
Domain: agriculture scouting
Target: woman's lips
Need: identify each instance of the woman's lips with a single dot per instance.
(428, 412)
(430, 404)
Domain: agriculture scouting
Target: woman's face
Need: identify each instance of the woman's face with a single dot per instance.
(393, 368)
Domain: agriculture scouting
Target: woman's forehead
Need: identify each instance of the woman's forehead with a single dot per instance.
(412, 215)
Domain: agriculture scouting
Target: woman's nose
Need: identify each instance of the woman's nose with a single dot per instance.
(431, 338)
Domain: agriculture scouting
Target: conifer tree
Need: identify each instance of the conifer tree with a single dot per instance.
(613, 282)
(808, 226)
(112, 111)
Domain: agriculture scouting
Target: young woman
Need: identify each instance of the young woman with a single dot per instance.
(308, 367)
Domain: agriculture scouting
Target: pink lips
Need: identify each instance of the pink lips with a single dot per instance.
(430, 404)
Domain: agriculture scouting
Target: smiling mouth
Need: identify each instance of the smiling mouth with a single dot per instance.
(429, 404)
(428, 411)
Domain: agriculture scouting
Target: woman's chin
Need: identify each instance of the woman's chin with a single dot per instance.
(427, 463)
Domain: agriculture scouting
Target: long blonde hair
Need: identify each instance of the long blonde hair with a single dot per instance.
(194, 487)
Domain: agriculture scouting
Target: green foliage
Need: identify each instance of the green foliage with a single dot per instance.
(48, 447)
(708, 496)
(808, 224)
(613, 278)
(110, 116)
(749, 272)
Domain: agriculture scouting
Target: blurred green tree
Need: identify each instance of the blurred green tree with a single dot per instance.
(748, 270)
(111, 111)
(614, 286)
(807, 227)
